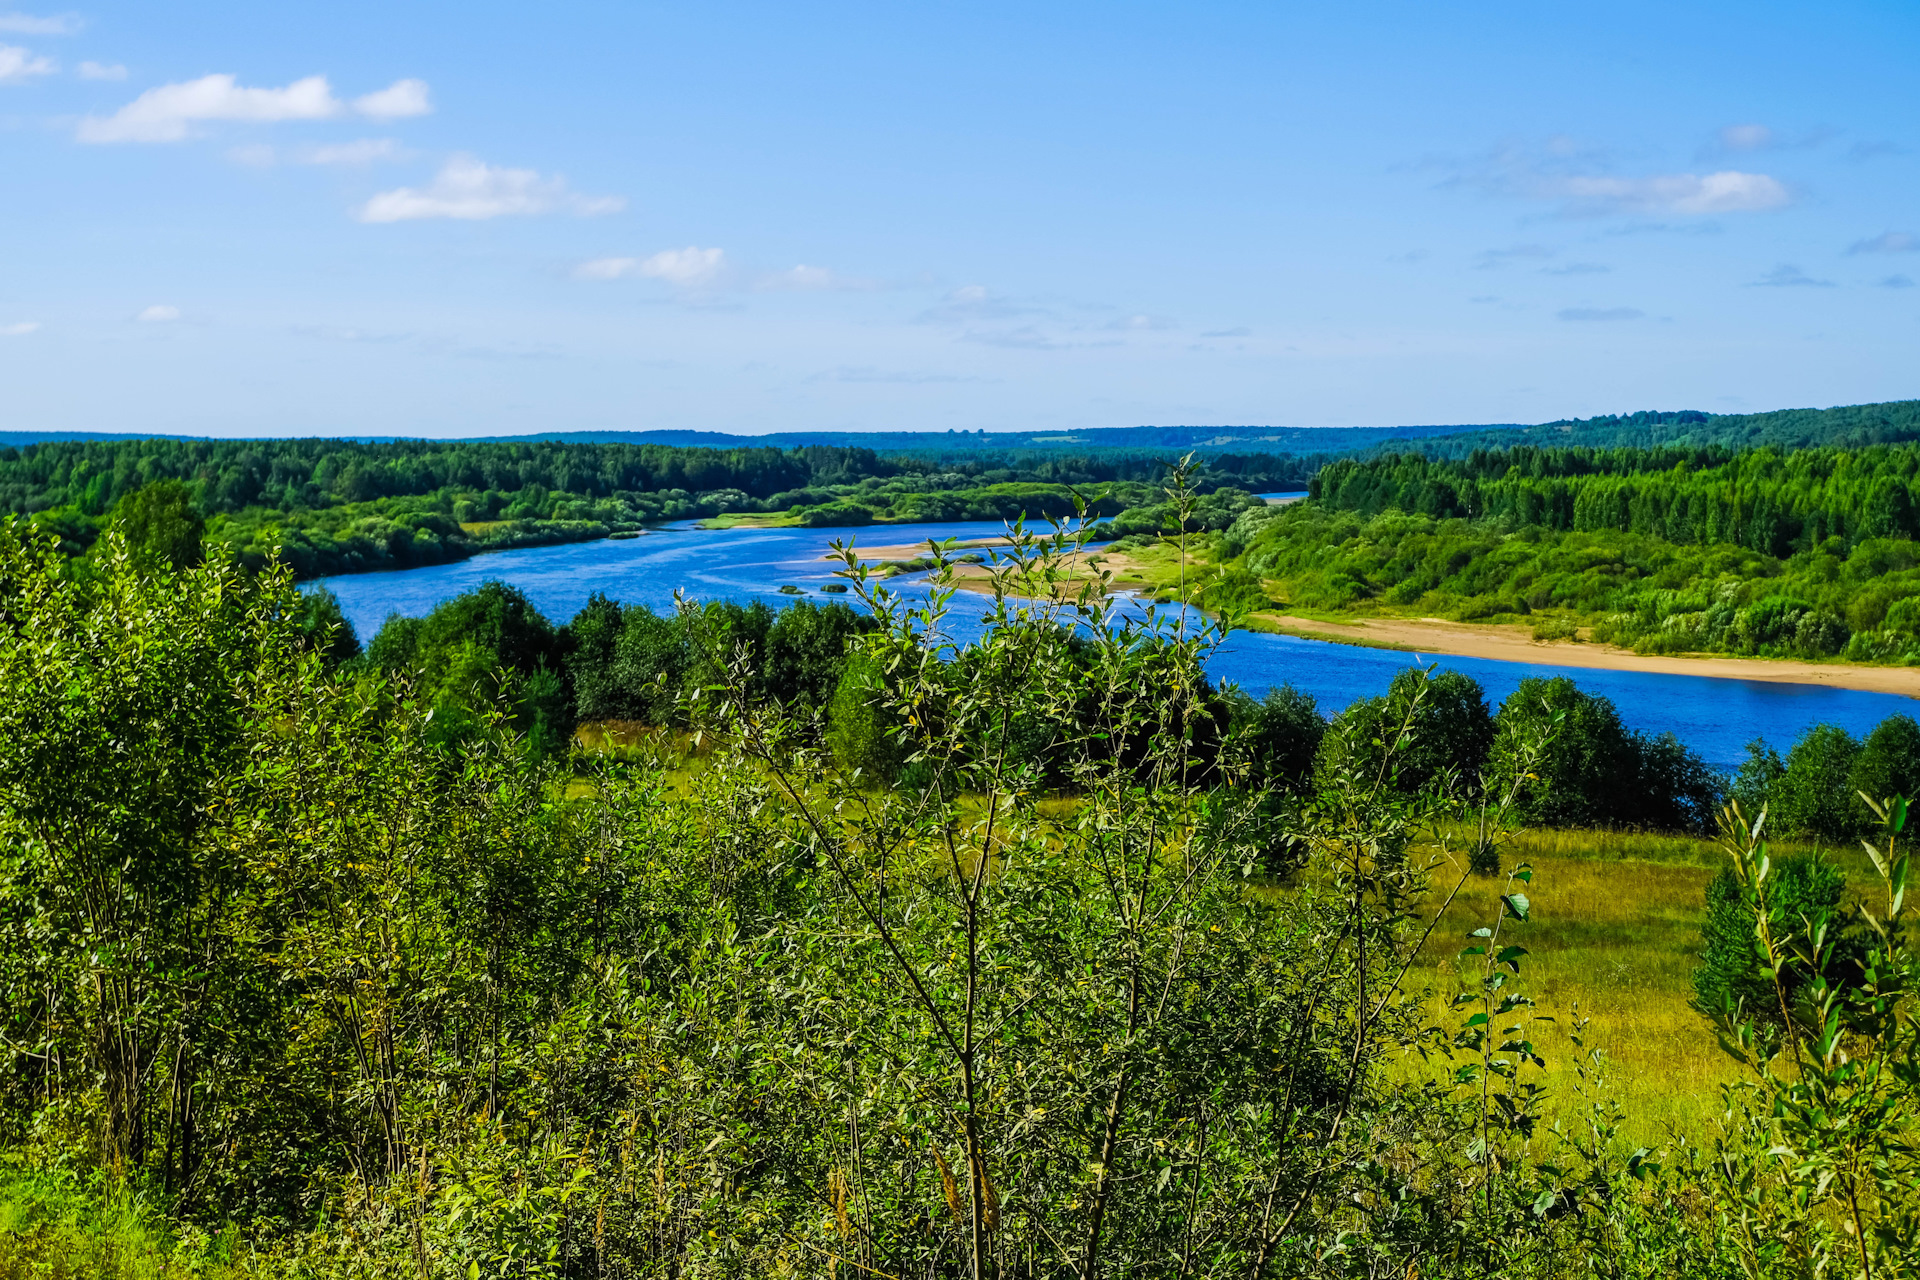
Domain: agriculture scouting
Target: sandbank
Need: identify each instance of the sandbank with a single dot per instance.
(1498, 643)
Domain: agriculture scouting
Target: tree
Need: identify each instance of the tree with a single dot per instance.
(1888, 763)
(162, 524)
(1450, 731)
(126, 698)
(1577, 780)
(1812, 796)
(1730, 974)
(1281, 735)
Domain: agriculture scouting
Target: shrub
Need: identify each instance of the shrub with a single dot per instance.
(1730, 972)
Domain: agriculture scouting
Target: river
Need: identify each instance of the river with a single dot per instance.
(1716, 717)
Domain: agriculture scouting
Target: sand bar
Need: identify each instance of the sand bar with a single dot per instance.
(1516, 644)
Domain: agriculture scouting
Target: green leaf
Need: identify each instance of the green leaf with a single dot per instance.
(1517, 903)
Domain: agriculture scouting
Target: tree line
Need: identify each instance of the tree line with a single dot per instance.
(337, 506)
(1761, 499)
(1856, 597)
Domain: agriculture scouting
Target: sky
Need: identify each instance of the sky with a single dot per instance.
(480, 219)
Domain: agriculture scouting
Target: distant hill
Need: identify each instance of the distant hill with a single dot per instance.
(1845, 426)
(1222, 439)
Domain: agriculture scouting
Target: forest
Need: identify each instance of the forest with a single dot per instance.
(847, 950)
(1805, 554)
(339, 506)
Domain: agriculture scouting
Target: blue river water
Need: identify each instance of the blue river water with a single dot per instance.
(1716, 717)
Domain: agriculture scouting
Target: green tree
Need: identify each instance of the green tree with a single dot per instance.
(1812, 797)
(1281, 734)
(162, 524)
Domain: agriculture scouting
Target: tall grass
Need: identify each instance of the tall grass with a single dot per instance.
(52, 1227)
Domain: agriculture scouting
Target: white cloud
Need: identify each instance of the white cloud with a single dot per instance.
(26, 24)
(361, 151)
(1729, 191)
(20, 329)
(1578, 179)
(401, 98)
(102, 71)
(17, 64)
(1746, 137)
(684, 267)
(1788, 276)
(467, 189)
(169, 112)
(158, 313)
(606, 268)
(814, 278)
(1888, 242)
(1138, 323)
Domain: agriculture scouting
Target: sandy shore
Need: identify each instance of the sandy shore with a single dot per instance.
(1437, 636)
(914, 550)
(1516, 644)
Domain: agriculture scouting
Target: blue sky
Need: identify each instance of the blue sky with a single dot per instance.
(420, 219)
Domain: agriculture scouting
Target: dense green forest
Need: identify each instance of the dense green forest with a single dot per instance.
(1808, 553)
(1844, 426)
(333, 506)
(1045, 958)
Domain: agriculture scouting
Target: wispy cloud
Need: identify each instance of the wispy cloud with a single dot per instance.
(469, 190)
(1601, 313)
(971, 304)
(687, 268)
(1729, 191)
(1788, 276)
(1578, 180)
(169, 112)
(1577, 269)
(866, 373)
(399, 100)
(359, 152)
(1241, 332)
(1874, 150)
(1746, 137)
(1896, 282)
(102, 71)
(19, 329)
(1737, 138)
(1887, 242)
(1493, 259)
(18, 64)
(1138, 323)
(27, 24)
(813, 278)
(158, 313)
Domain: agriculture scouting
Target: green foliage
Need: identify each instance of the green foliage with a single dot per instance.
(1729, 978)
(1281, 736)
(1811, 797)
(861, 733)
(161, 524)
(486, 648)
(1597, 772)
(1449, 733)
(332, 1000)
(1751, 553)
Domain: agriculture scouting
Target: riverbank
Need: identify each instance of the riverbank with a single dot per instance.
(1508, 643)
(1498, 642)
